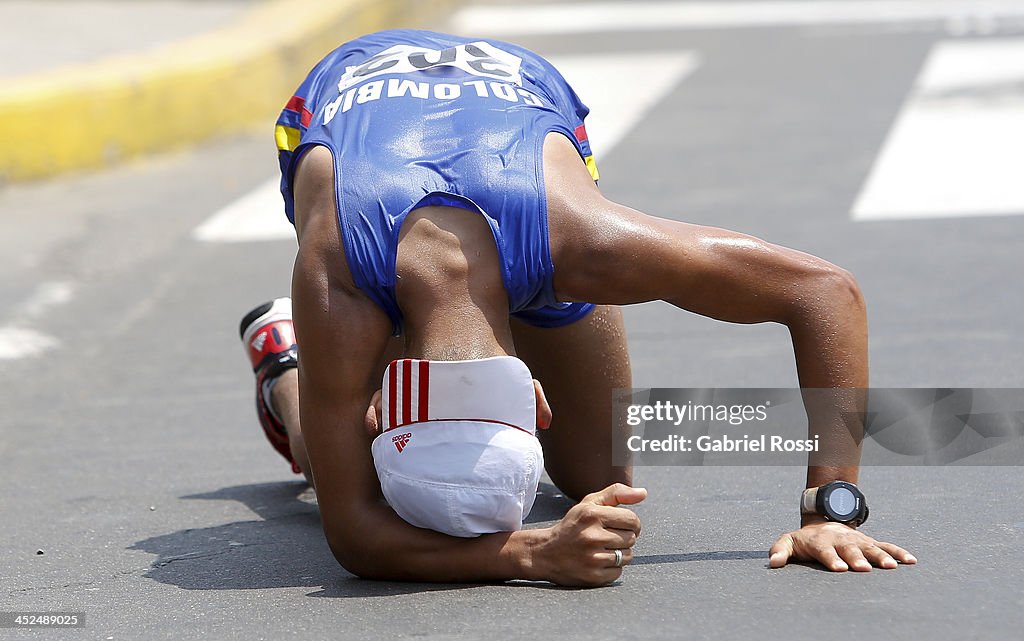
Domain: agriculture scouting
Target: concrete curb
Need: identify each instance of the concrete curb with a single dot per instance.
(89, 116)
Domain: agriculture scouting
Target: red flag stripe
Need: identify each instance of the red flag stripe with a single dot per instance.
(307, 116)
(295, 103)
(424, 385)
(581, 133)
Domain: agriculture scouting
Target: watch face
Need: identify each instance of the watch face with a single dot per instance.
(842, 501)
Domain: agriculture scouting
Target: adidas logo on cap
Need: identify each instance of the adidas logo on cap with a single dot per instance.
(401, 440)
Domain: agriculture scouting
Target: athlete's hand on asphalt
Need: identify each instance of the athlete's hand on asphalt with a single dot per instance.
(580, 549)
(838, 547)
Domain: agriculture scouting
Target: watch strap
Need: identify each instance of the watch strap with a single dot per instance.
(863, 516)
(808, 501)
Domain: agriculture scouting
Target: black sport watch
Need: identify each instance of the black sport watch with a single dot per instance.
(837, 501)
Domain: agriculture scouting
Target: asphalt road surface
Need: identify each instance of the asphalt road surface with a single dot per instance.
(137, 487)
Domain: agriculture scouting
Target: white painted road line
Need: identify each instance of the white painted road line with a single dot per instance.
(21, 342)
(17, 340)
(600, 81)
(957, 147)
(531, 19)
(46, 296)
(259, 215)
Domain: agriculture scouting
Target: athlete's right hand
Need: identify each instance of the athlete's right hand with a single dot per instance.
(579, 549)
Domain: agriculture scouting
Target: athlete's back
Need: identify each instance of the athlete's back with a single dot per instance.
(415, 118)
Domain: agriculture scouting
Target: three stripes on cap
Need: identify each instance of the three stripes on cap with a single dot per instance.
(406, 393)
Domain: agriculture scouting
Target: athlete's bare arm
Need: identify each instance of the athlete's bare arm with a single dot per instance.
(611, 254)
(344, 335)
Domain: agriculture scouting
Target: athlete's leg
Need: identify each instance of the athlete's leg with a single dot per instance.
(284, 397)
(579, 366)
(315, 198)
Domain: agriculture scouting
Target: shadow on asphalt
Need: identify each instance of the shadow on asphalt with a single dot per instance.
(550, 505)
(724, 555)
(721, 555)
(284, 548)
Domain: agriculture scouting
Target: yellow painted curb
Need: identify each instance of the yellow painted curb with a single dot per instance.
(91, 115)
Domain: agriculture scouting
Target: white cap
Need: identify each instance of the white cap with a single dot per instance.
(458, 451)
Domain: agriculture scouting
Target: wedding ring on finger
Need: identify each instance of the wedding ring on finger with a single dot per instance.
(618, 558)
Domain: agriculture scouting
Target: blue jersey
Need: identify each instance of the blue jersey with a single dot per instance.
(415, 118)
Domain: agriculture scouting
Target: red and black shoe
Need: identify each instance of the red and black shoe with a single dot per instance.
(269, 339)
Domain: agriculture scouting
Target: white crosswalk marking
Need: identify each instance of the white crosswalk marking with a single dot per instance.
(957, 147)
(602, 81)
(563, 18)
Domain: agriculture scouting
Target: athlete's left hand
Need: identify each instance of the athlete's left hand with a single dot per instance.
(838, 547)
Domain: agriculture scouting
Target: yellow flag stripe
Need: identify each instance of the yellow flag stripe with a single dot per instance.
(592, 167)
(287, 138)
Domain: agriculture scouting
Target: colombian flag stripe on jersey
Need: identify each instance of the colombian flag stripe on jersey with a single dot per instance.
(297, 105)
(287, 138)
(581, 135)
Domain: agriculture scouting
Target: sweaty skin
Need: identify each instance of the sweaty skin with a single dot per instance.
(451, 295)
